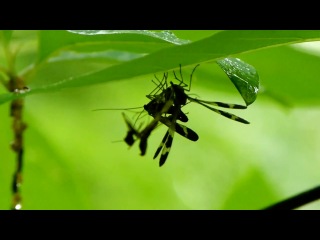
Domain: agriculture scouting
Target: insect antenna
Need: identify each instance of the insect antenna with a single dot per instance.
(191, 77)
(101, 109)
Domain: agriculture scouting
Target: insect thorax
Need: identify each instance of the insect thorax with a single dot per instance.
(180, 97)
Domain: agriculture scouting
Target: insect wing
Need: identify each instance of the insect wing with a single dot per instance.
(163, 141)
(180, 129)
(165, 146)
(186, 132)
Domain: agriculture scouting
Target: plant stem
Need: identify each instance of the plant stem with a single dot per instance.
(18, 126)
(297, 201)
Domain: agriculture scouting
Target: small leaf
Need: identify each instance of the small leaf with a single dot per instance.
(243, 76)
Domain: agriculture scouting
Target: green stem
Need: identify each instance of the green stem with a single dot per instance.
(18, 126)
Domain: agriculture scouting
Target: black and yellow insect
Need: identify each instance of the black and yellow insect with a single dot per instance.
(175, 94)
(165, 106)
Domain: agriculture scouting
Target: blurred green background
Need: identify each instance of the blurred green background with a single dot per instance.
(72, 159)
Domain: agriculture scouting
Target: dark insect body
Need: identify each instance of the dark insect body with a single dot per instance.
(165, 106)
(176, 94)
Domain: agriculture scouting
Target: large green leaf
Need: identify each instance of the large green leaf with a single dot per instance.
(109, 47)
(220, 45)
(217, 46)
(135, 41)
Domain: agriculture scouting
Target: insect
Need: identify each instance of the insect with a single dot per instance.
(163, 109)
(176, 94)
(165, 106)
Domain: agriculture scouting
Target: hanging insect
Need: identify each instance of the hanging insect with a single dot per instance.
(165, 106)
(162, 109)
(176, 94)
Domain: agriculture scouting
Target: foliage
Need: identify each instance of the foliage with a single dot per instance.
(72, 163)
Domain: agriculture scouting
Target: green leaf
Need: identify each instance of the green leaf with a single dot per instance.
(135, 41)
(220, 45)
(243, 76)
(107, 46)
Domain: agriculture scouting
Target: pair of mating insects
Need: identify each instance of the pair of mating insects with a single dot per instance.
(166, 102)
